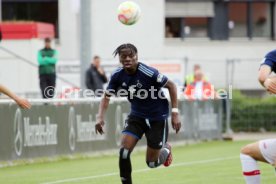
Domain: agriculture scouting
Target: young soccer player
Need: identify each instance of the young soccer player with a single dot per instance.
(23, 103)
(264, 150)
(149, 110)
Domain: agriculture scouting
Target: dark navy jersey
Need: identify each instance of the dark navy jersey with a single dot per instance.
(270, 60)
(143, 90)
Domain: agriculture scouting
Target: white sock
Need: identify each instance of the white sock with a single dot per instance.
(250, 169)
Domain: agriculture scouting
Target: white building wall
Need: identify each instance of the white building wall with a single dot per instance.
(108, 33)
(148, 36)
(68, 43)
(16, 74)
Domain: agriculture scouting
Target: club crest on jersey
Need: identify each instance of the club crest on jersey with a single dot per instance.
(139, 85)
(160, 78)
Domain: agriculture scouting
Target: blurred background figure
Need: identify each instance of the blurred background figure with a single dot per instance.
(169, 33)
(47, 59)
(190, 78)
(199, 89)
(95, 75)
(23, 103)
(0, 34)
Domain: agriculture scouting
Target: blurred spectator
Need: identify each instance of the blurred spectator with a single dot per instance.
(199, 89)
(191, 77)
(95, 75)
(0, 34)
(47, 59)
(169, 33)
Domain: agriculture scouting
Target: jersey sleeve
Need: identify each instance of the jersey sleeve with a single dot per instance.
(160, 80)
(112, 86)
(270, 60)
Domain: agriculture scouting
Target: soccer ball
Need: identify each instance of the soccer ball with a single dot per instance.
(128, 13)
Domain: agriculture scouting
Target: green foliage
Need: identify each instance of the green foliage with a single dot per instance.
(253, 114)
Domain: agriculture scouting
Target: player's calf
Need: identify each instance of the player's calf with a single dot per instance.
(250, 167)
(125, 166)
(163, 155)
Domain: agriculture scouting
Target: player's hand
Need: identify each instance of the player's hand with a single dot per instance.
(23, 103)
(176, 124)
(99, 125)
(270, 85)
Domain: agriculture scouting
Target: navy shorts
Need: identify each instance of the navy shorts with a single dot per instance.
(156, 132)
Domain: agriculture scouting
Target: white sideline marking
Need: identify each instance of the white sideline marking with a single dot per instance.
(141, 170)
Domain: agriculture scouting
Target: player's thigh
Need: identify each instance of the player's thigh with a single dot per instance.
(133, 132)
(254, 151)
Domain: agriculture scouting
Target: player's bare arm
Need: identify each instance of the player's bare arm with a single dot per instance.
(264, 73)
(267, 81)
(100, 117)
(176, 124)
(23, 103)
(270, 84)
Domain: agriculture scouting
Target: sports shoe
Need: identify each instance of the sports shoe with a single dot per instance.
(169, 158)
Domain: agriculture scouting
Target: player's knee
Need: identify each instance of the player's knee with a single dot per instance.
(246, 150)
(152, 164)
(124, 153)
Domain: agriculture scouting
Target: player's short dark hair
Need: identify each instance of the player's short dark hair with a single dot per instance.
(130, 46)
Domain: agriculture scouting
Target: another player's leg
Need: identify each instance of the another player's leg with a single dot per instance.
(158, 151)
(128, 144)
(249, 156)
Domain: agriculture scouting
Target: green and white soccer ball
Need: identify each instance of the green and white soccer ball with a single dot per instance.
(129, 13)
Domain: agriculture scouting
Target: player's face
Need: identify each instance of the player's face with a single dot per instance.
(128, 59)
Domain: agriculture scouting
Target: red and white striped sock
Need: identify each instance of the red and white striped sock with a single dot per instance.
(250, 169)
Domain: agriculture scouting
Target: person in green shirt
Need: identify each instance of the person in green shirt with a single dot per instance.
(47, 59)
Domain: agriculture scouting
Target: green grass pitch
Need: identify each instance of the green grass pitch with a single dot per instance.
(204, 163)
